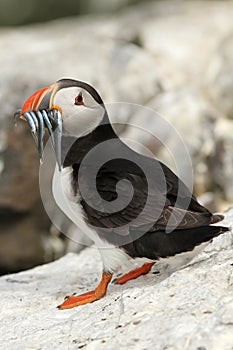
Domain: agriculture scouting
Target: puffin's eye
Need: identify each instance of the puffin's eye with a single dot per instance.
(79, 99)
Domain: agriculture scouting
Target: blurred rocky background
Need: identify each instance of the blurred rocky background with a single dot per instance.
(173, 56)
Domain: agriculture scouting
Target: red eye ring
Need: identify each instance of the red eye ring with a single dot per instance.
(79, 99)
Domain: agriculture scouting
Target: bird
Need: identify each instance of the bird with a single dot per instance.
(131, 205)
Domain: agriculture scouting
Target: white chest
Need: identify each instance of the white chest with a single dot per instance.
(112, 256)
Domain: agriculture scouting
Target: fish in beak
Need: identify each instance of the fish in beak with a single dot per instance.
(40, 113)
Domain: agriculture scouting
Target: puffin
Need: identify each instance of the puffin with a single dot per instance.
(132, 206)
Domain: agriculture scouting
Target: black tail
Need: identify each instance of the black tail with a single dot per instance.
(159, 244)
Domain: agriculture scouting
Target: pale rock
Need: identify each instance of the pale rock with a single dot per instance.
(190, 308)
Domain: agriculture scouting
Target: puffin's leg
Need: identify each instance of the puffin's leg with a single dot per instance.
(143, 270)
(89, 297)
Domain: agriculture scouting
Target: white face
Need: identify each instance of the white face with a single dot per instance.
(81, 114)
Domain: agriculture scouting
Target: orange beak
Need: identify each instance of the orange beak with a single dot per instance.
(40, 113)
(34, 101)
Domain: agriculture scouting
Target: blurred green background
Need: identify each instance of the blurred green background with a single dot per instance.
(20, 12)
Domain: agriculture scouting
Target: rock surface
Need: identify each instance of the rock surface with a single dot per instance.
(167, 55)
(188, 308)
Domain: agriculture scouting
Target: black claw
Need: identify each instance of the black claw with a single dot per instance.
(115, 281)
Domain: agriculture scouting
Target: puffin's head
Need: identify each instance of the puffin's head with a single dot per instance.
(81, 107)
(70, 107)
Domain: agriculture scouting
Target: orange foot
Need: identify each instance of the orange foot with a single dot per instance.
(88, 297)
(143, 270)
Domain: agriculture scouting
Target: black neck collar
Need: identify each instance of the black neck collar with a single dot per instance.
(74, 150)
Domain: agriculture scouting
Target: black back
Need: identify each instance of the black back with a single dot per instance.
(173, 223)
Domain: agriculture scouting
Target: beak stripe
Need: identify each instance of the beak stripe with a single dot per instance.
(33, 102)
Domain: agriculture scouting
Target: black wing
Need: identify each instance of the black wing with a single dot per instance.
(171, 204)
(174, 221)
